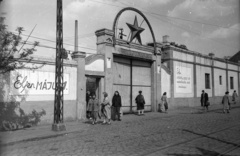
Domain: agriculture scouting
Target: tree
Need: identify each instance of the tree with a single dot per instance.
(12, 50)
(13, 56)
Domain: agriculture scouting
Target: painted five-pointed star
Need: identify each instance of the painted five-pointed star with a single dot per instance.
(135, 31)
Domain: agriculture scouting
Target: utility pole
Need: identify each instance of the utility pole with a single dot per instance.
(58, 124)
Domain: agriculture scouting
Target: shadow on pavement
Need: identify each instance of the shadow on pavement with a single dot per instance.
(203, 153)
(213, 138)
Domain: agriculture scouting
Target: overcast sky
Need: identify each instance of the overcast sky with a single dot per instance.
(203, 26)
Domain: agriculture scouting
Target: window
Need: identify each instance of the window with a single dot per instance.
(207, 81)
(220, 80)
(231, 83)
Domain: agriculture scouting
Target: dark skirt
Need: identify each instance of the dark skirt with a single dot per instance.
(140, 106)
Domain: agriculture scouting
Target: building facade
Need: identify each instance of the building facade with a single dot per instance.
(127, 67)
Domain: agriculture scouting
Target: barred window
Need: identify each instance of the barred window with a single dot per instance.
(207, 80)
(220, 80)
(231, 83)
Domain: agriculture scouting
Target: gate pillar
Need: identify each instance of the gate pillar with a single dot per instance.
(105, 47)
(81, 85)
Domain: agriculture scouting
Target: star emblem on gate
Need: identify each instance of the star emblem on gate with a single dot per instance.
(135, 30)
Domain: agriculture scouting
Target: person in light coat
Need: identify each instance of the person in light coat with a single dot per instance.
(106, 109)
(234, 97)
(225, 102)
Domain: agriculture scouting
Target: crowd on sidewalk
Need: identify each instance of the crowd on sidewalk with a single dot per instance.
(98, 110)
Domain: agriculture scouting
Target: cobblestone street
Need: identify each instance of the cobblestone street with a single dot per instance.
(180, 133)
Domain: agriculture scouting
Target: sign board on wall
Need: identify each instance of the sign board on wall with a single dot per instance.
(183, 79)
(27, 82)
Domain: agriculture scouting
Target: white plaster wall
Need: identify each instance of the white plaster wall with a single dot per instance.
(191, 92)
(219, 89)
(206, 61)
(97, 65)
(203, 60)
(219, 64)
(198, 59)
(72, 71)
(201, 70)
(165, 83)
(235, 81)
(183, 56)
(233, 67)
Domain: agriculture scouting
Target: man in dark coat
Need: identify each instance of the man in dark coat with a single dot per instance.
(117, 104)
(204, 100)
(87, 100)
(140, 103)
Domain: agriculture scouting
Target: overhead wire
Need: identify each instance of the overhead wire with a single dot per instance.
(46, 46)
(178, 18)
(55, 42)
(151, 14)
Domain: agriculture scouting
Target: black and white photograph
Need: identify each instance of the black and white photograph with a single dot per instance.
(119, 78)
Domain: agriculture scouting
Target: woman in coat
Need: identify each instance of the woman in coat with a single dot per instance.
(164, 101)
(117, 104)
(234, 97)
(89, 107)
(225, 102)
(204, 100)
(94, 107)
(106, 109)
(140, 103)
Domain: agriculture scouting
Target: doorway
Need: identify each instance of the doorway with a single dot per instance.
(92, 85)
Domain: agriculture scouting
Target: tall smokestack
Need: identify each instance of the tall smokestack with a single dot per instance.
(76, 36)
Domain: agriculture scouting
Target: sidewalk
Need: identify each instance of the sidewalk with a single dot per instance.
(44, 131)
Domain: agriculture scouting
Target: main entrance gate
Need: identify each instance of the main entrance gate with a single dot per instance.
(130, 76)
(130, 64)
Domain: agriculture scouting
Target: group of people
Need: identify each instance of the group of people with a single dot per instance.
(97, 109)
(225, 101)
(103, 109)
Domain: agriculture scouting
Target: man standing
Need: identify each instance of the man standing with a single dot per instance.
(116, 104)
(204, 100)
(87, 100)
(140, 103)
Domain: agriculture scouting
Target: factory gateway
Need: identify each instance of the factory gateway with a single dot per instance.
(127, 67)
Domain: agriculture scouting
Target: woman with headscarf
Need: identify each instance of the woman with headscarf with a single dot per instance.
(225, 102)
(93, 107)
(140, 103)
(106, 109)
(234, 97)
(117, 104)
(164, 101)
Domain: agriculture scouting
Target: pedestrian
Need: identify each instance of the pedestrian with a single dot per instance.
(94, 107)
(106, 109)
(89, 107)
(87, 100)
(140, 103)
(234, 97)
(117, 104)
(225, 102)
(164, 101)
(204, 100)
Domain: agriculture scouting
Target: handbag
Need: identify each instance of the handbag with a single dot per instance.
(207, 103)
(166, 105)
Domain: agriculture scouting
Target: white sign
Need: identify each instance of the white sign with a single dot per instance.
(27, 82)
(109, 62)
(183, 79)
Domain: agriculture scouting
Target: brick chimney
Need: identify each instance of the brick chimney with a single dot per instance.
(165, 39)
(211, 54)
